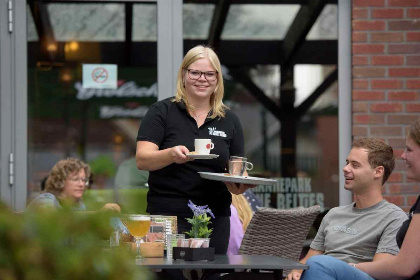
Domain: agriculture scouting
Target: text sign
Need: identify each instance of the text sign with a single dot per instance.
(100, 76)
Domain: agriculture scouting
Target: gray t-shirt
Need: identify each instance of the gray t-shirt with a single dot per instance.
(49, 200)
(356, 235)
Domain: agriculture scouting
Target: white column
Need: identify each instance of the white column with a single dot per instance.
(170, 45)
(344, 92)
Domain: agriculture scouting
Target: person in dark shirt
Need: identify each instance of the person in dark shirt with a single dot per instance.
(166, 136)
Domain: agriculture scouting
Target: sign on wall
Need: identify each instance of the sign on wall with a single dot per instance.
(100, 76)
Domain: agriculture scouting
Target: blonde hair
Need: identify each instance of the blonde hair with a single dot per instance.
(216, 99)
(61, 172)
(244, 209)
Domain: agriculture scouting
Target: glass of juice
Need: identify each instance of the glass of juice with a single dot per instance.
(138, 226)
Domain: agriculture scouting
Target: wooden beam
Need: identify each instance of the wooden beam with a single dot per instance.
(218, 22)
(307, 104)
(300, 27)
(252, 52)
(44, 29)
(128, 43)
(259, 2)
(242, 77)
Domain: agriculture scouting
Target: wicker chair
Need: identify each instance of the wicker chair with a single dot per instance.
(278, 232)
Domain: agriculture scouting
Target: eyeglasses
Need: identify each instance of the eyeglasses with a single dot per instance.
(195, 75)
(83, 180)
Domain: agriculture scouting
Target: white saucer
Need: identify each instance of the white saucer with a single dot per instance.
(198, 156)
(237, 179)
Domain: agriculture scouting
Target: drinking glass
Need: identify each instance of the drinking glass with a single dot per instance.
(138, 226)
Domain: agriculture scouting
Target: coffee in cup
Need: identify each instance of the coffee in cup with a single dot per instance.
(203, 146)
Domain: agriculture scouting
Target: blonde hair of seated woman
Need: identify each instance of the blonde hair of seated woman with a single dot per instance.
(244, 209)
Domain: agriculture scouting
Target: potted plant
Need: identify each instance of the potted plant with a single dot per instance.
(199, 236)
(199, 225)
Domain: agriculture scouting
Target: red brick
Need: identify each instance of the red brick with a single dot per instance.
(405, 208)
(386, 84)
(404, 25)
(405, 3)
(369, 72)
(396, 142)
(402, 119)
(412, 60)
(359, 37)
(413, 36)
(394, 188)
(385, 130)
(360, 60)
(413, 84)
(387, 37)
(396, 177)
(395, 199)
(412, 107)
(360, 84)
(359, 13)
(386, 107)
(387, 13)
(368, 48)
(404, 72)
(411, 199)
(368, 119)
(359, 131)
(367, 95)
(360, 25)
(399, 164)
(413, 13)
(403, 95)
(387, 60)
(368, 3)
(404, 48)
(398, 152)
(359, 107)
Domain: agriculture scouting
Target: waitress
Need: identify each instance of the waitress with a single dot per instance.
(167, 134)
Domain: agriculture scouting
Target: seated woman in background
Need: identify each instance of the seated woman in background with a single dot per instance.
(66, 185)
(241, 214)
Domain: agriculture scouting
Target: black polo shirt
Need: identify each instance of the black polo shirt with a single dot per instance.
(168, 124)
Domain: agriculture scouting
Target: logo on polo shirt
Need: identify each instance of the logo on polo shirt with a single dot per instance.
(214, 132)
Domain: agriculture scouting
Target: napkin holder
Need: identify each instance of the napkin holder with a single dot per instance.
(193, 254)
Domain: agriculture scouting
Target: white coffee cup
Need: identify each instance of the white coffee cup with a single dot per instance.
(203, 146)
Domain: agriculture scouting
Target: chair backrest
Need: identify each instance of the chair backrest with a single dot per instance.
(278, 232)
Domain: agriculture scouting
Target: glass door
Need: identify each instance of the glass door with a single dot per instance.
(67, 118)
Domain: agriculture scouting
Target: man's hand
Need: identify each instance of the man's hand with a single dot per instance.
(294, 275)
(236, 188)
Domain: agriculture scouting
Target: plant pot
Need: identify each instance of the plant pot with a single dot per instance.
(199, 242)
(193, 254)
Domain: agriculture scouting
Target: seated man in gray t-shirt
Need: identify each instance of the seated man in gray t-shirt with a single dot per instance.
(366, 229)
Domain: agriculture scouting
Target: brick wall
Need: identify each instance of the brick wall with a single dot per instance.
(386, 80)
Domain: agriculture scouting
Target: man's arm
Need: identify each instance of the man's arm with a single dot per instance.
(295, 273)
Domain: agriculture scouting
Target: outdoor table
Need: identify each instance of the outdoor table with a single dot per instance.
(232, 262)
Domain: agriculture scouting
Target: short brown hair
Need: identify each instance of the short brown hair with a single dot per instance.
(379, 154)
(414, 132)
(60, 173)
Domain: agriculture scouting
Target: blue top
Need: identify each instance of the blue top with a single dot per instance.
(48, 200)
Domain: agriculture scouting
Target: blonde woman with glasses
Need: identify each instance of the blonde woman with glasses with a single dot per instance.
(166, 137)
